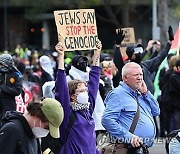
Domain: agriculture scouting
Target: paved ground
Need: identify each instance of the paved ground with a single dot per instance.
(158, 148)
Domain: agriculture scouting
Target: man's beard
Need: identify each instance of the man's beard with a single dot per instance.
(138, 85)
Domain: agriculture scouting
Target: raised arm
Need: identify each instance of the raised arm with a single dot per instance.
(94, 76)
(97, 52)
(118, 60)
(60, 51)
(153, 45)
(61, 88)
(153, 64)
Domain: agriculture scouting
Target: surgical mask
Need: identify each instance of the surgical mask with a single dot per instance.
(39, 132)
(83, 98)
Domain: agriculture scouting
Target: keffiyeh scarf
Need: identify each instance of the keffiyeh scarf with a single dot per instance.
(77, 106)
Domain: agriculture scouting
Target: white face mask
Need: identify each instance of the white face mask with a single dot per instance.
(39, 132)
(83, 98)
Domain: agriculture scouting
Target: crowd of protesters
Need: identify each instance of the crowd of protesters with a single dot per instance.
(27, 76)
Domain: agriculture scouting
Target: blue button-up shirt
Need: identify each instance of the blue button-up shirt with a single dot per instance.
(121, 107)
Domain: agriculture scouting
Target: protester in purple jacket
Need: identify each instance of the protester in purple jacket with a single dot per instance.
(79, 97)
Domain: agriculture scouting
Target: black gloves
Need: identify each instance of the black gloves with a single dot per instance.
(171, 34)
(119, 36)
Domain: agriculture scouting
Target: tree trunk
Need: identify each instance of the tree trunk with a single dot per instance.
(163, 19)
(125, 14)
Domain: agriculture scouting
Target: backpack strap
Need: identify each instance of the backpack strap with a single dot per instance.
(72, 118)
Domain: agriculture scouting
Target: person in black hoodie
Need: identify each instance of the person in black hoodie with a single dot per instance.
(18, 132)
(10, 84)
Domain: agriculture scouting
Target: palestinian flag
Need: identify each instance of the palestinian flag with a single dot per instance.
(174, 49)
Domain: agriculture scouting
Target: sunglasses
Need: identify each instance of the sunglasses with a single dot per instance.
(138, 50)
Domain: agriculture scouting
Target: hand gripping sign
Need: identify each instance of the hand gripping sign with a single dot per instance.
(129, 39)
(76, 29)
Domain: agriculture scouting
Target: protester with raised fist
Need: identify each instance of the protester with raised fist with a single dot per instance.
(78, 98)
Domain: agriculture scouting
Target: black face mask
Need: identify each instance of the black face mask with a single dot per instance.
(138, 58)
(82, 66)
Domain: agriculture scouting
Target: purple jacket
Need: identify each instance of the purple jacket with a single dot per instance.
(82, 139)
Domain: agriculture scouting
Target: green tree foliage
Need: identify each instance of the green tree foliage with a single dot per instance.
(175, 6)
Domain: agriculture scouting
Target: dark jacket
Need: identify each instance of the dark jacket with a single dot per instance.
(16, 136)
(148, 66)
(10, 86)
(174, 89)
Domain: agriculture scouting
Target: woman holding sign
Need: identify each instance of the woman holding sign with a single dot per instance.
(78, 97)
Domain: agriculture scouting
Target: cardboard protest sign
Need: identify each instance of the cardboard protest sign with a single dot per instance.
(129, 39)
(76, 29)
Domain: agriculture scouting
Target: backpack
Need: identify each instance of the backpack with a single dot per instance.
(169, 137)
(55, 144)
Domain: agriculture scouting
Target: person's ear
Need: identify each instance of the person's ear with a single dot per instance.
(125, 78)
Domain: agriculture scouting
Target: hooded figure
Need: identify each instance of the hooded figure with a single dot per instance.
(47, 69)
(10, 83)
(80, 62)
(49, 89)
(7, 63)
(80, 70)
(134, 53)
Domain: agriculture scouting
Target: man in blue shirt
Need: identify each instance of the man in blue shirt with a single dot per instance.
(121, 107)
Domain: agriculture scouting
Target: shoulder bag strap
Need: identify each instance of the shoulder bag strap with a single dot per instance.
(72, 118)
(136, 118)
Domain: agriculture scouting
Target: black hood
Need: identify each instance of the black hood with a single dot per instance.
(10, 115)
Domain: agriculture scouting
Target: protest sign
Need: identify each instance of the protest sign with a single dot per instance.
(129, 39)
(76, 29)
